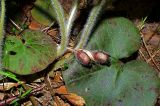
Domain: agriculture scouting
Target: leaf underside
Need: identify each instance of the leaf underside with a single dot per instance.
(43, 12)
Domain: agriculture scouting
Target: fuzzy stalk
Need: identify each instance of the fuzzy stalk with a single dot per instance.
(2, 20)
(61, 20)
(91, 21)
(72, 17)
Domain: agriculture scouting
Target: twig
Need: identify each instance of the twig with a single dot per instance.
(47, 28)
(154, 54)
(142, 55)
(52, 91)
(17, 26)
(145, 45)
(32, 99)
(40, 101)
(154, 32)
(9, 100)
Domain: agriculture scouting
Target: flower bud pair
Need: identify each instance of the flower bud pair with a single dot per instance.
(86, 57)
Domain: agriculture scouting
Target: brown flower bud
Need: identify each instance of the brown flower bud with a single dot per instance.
(83, 58)
(100, 57)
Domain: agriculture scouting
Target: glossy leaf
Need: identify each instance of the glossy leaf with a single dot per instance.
(132, 84)
(29, 54)
(43, 12)
(117, 36)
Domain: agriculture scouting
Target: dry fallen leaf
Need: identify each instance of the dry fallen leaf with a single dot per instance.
(7, 86)
(52, 32)
(35, 25)
(2, 96)
(63, 92)
(75, 99)
(60, 102)
(155, 40)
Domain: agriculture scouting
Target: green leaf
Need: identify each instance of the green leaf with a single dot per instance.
(10, 75)
(43, 12)
(15, 102)
(132, 84)
(117, 36)
(26, 93)
(30, 54)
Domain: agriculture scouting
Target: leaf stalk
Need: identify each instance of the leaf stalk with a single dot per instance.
(2, 20)
(92, 19)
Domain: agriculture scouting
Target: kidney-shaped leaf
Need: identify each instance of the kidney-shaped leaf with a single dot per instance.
(132, 84)
(117, 36)
(29, 54)
(43, 12)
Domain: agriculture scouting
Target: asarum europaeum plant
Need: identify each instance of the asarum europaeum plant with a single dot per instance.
(33, 51)
(66, 26)
(99, 85)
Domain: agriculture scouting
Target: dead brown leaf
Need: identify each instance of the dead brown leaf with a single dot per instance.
(65, 95)
(7, 86)
(155, 40)
(35, 25)
(75, 99)
(2, 96)
(60, 102)
(52, 32)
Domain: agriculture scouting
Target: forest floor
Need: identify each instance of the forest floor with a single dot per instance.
(149, 52)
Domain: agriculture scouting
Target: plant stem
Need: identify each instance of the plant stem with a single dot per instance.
(92, 19)
(65, 27)
(61, 20)
(2, 19)
(72, 17)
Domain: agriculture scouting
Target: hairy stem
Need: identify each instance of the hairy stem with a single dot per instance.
(61, 20)
(65, 27)
(72, 17)
(90, 24)
(2, 19)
